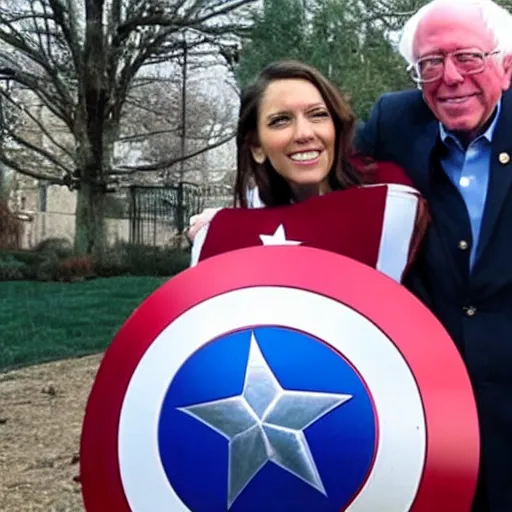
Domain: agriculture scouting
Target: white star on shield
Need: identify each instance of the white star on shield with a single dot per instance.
(266, 423)
(278, 238)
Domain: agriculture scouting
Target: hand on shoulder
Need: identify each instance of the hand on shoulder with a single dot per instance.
(198, 221)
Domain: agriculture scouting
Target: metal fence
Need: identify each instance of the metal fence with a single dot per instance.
(157, 213)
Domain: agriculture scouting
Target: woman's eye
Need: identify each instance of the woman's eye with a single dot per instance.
(321, 114)
(277, 121)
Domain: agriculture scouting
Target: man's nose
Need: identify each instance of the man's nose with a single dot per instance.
(451, 75)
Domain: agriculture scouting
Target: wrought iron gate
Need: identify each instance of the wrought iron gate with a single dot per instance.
(155, 211)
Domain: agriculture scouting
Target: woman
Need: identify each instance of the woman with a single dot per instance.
(294, 142)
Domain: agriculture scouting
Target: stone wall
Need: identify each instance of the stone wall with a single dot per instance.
(49, 212)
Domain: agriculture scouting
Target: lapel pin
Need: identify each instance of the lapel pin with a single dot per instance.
(504, 158)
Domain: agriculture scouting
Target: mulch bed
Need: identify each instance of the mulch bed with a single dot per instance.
(41, 414)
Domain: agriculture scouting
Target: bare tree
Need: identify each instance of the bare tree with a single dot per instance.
(152, 131)
(80, 60)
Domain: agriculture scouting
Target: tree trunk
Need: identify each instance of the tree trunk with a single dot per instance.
(4, 192)
(90, 229)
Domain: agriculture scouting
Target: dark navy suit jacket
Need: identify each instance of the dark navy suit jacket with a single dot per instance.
(476, 307)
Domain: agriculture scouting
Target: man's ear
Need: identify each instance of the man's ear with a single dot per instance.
(507, 71)
(258, 154)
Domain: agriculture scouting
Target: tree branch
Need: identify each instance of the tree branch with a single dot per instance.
(40, 151)
(175, 22)
(39, 124)
(69, 28)
(165, 164)
(146, 135)
(9, 162)
(32, 83)
(12, 37)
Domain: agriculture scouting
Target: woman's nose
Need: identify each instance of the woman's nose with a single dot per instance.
(304, 130)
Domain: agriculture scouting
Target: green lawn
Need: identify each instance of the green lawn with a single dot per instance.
(46, 321)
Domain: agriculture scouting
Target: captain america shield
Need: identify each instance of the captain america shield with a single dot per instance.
(279, 379)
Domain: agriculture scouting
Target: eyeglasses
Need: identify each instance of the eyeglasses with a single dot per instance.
(431, 68)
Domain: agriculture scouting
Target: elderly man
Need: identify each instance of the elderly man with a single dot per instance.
(454, 137)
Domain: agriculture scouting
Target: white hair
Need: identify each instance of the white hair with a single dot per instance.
(497, 19)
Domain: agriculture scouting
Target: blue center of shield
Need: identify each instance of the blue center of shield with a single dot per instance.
(267, 419)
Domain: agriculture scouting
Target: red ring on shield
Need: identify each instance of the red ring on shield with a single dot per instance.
(452, 452)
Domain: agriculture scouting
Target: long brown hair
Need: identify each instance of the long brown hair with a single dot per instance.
(273, 189)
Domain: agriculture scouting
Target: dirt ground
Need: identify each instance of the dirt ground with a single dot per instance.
(41, 413)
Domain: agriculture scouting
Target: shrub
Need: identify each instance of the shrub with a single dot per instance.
(54, 248)
(53, 260)
(38, 264)
(74, 268)
(155, 261)
(28, 257)
(11, 269)
(47, 255)
(112, 263)
(142, 260)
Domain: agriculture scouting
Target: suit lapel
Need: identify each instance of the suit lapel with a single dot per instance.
(500, 178)
(426, 163)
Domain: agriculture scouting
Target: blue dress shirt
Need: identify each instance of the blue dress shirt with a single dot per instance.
(469, 169)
